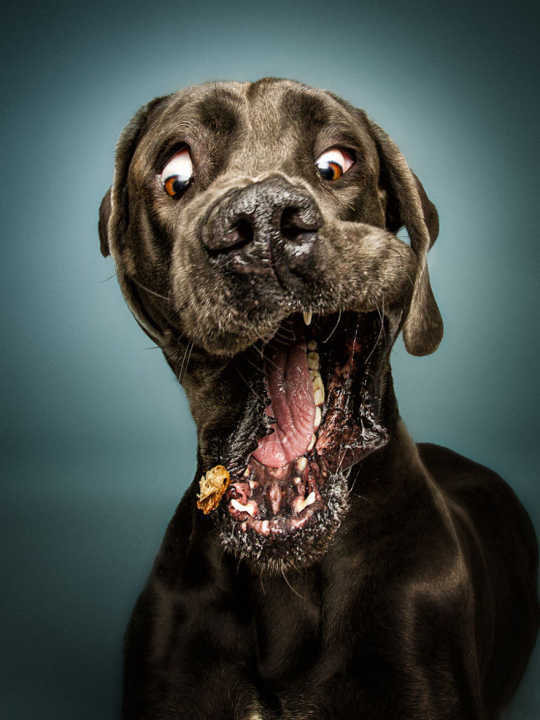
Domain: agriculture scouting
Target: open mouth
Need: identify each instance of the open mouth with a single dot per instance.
(320, 379)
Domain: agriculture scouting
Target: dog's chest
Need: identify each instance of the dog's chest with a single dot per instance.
(287, 623)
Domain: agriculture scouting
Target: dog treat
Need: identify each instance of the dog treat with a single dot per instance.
(212, 488)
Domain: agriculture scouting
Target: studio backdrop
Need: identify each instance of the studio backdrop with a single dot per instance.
(97, 442)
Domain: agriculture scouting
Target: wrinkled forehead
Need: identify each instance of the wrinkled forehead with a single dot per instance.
(265, 122)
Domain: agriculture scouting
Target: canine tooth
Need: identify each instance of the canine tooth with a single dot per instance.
(318, 417)
(313, 360)
(247, 472)
(300, 503)
(243, 508)
(311, 443)
(312, 345)
(301, 464)
(307, 316)
(297, 480)
(310, 499)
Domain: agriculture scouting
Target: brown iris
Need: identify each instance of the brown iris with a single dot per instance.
(173, 186)
(333, 163)
(177, 173)
(332, 171)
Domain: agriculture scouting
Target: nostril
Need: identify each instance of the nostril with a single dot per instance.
(243, 230)
(295, 225)
(221, 239)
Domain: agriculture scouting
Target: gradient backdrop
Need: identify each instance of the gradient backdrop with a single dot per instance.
(98, 443)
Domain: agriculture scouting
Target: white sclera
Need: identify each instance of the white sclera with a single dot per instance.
(334, 155)
(180, 166)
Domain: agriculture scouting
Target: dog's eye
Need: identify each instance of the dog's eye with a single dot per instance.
(177, 173)
(333, 163)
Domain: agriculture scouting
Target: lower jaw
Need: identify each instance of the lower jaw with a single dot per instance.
(276, 501)
(286, 542)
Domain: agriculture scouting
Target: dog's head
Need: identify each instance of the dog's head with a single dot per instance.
(253, 229)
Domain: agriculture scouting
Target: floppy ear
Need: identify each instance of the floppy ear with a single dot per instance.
(114, 208)
(104, 214)
(409, 206)
(114, 214)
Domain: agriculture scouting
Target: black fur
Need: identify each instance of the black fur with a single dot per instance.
(414, 593)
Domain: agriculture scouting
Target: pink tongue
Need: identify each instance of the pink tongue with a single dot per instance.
(292, 405)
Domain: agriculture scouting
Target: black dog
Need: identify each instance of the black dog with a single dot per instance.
(321, 565)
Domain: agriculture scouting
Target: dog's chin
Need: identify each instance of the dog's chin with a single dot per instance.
(317, 413)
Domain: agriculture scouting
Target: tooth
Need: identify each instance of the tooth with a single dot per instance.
(299, 503)
(307, 316)
(313, 360)
(312, 345)
(310, 498)
(318, 390)
(243, 508)
(297, 480)
(275, 497)
(301, 464)
(318, 418)
(311, 443)
(246, 472)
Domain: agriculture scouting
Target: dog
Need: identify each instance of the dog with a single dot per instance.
(321, 564)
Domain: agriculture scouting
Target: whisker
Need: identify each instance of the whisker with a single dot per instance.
(285, 331)
(152, 292)
(334, 328)
(290, 586)
(248, 385)
(265, 357)
(185, 366)
(381, 332)
(184, 363)
(341, 461)
(253, 365)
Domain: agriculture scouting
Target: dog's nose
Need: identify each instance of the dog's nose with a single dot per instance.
(266, 225)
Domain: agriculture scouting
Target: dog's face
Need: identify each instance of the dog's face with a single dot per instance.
(253, 228)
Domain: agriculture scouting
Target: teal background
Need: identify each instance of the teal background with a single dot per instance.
(97, 441)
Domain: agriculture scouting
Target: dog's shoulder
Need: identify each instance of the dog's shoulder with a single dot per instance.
(454, 472)
(459, 477)
(489, 501)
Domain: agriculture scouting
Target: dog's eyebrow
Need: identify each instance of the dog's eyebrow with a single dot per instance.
(297, 105)
(217, 113)
(336, 134)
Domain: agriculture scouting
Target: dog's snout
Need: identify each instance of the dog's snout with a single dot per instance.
(266, 224)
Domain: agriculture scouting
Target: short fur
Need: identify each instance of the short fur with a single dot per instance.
(419, 601)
